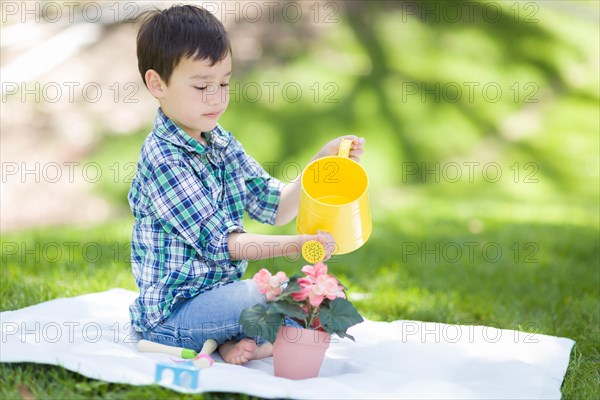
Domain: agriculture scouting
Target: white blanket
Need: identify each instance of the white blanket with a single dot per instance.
(90, 335)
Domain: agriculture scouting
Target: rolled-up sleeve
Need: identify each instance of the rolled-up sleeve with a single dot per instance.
(263, 191)
(184, 207)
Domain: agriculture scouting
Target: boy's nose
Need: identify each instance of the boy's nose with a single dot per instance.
(215, 96)
(214, 99)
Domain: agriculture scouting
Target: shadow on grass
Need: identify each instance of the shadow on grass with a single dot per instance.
(524, 276)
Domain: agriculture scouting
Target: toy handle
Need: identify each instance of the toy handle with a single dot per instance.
(204, 360)
(344, 149)
(146, 346)
(209, 347)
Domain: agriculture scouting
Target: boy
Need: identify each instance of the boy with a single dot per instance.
(193, 183)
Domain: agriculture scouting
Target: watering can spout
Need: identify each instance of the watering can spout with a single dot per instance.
(334, 198)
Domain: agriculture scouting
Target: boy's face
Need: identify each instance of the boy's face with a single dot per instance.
(197, 94)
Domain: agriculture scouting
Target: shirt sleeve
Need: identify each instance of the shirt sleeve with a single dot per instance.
(184, 207)
(263, 191)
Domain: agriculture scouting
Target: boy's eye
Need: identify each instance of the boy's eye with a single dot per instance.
(202, 88)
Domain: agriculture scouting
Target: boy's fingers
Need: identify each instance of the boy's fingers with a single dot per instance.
(356, 139)
(327, 241)
(356, 153)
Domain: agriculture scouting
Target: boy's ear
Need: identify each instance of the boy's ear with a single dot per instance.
(155, 84)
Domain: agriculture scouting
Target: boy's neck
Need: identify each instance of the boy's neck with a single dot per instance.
(196, 135)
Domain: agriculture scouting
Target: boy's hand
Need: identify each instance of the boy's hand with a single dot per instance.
(328, 243)
(332, 147)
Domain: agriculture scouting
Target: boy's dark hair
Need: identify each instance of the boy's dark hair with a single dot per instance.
(167, 36)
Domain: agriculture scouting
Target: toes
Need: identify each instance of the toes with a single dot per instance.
(241, 359)
(240, 352)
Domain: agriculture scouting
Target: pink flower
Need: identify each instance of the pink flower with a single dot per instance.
(276, 281)
(327, 286)
(312, 292)
(263, 279)
(306, 285)
(270, 285)
(316, 289)
(316, 270)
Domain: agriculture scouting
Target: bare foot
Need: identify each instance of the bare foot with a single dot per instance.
(243, 351)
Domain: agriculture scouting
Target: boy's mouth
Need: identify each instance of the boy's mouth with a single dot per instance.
(213, 115)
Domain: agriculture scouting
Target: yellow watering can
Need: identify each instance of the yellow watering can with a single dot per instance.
(334, 198)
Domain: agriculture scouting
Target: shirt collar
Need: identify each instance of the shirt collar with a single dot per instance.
(218, 139)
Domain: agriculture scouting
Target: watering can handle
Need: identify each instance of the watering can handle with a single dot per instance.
(345, 146)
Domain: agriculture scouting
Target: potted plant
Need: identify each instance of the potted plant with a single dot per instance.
(316, 301)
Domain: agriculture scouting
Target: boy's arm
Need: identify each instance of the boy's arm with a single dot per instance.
(289, 202)
(250, 246)
(290, 195)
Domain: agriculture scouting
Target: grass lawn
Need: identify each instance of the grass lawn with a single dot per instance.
(417, 265)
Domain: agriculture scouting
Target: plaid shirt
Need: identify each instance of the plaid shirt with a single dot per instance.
(186, 198)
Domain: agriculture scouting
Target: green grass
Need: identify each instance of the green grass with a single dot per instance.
(549, 286)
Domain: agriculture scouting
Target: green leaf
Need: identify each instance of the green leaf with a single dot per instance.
(287, 309)
(256, 321)
(293, 286)
(336, 316)
(345, 334)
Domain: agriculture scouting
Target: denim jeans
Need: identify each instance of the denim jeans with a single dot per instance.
(213, 314)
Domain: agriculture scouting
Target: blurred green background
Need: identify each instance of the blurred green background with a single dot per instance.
(482, 128)
(465, 100)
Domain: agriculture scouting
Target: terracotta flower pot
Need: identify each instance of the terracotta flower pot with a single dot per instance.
(298, 353)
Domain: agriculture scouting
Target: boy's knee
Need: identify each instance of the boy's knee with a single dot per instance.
(247, 295)
(253, 294)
